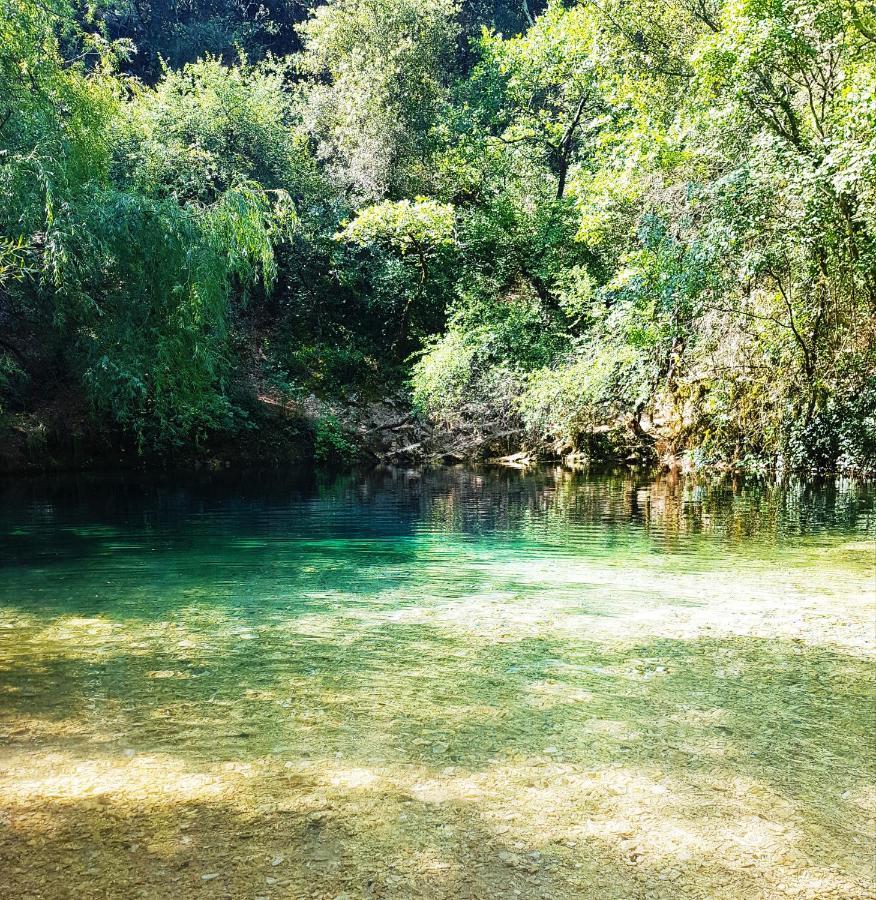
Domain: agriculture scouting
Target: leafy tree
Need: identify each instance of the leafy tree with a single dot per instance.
(551, 99)
(176, 32)
(417, 231)
(135, 282)
(383, 69)
(646, 226)
(208, 125)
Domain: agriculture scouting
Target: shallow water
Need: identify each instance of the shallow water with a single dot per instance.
(436, 684)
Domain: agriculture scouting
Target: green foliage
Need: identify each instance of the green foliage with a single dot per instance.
(13, 380)
(152, 326)
(478, 368)
(177, 32)
(721, 171)
(551, 102)
(419, 228)
(136, 274)
(592, 391)
(383, 70)
(417, 232)
(54, 138)
(656, 222)
(330, 442)
(206, 127)
(325, 367)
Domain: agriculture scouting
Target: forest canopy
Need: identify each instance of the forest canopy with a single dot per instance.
(602, 227)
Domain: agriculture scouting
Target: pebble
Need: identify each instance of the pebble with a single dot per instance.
(209, 876)
(277, 860)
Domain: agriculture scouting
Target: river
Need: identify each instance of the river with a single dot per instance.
(437, 684)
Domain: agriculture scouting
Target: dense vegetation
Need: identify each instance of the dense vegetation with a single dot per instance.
(610, 227)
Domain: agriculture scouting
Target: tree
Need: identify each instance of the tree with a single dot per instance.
(132, 279)
(175, 32)
(551, 99)
(380, 71)
(418, 231)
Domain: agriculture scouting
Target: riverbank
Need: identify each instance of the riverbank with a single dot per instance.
(279, 431)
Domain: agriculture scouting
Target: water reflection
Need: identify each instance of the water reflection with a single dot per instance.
(454, 500)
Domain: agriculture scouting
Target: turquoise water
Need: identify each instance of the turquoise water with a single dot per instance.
(436, 684)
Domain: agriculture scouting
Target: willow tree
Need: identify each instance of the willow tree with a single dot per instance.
(134, 283)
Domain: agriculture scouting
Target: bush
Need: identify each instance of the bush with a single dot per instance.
(331, 444)
(479, 366)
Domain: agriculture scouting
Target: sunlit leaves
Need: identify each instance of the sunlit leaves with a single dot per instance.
(420, 226)
(113, 233)
(384, 67)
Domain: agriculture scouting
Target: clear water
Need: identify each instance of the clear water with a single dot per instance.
(436, 684)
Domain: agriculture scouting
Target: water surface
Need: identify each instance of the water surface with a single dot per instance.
(436, 684)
